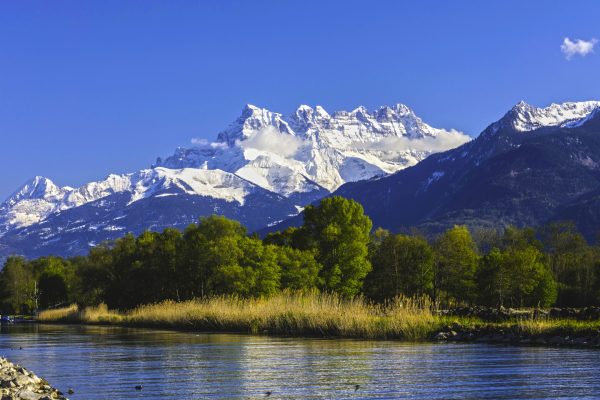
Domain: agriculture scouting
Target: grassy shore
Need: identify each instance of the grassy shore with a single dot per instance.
(320, 315)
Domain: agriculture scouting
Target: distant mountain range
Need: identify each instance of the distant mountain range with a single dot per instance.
(261, 170)
(533, 166)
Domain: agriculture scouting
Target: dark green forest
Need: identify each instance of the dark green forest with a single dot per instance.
(335, 250)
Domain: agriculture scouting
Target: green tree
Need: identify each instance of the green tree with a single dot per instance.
(55, 278)
(339, 230)
(167, 263)
(19, 292)
(290, 237)
(401, 265)
(494, 280)
(120, 272)
(456, 265)
(53, 290)
(520, 238)
(90, 279)
(299, 269)
(573, 262)
(254, 273)
(532, 281)
(210, 245)
(516, 276)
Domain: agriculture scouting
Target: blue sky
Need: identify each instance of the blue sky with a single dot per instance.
(89, 88)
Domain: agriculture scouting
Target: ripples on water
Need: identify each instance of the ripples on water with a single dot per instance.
(108, 362)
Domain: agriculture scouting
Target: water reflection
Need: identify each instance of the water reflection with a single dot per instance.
(107, 362)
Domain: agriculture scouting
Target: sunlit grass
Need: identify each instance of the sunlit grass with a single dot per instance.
(309, 314)
(64, 314)
(323, 315)
(548, 326)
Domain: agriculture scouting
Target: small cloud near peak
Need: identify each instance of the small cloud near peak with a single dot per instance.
(577, 47)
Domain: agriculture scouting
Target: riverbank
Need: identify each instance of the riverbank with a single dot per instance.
(311, 315)
(17, 382)
(328, 316)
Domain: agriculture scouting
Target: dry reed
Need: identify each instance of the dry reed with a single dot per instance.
(295, 314)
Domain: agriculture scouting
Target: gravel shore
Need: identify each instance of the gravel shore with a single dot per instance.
(17, 382)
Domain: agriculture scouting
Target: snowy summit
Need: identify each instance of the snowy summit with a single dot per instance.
(302, 157)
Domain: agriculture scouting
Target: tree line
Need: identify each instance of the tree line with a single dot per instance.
(334, 250)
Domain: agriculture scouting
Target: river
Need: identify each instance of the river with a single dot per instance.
(108, 362)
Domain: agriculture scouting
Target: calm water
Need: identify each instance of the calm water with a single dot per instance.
(107, 363)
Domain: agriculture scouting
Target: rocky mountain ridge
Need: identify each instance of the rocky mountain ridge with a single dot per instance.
(262, 158)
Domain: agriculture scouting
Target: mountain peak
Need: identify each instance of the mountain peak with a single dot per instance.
(250, 109)
(38, 187)
(253, 119)
(524, 117)
(360, 110)
(307, 116)
(403, 110)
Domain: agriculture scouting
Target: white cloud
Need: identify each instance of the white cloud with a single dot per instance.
(203, 143)
(445, 140)
(271, 140)
(579, 47)
(200, 142)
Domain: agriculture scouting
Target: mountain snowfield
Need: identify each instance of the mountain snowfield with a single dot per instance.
(311, 148)
(526, 117)
(532, 166)
(307, 155)
(263, 168)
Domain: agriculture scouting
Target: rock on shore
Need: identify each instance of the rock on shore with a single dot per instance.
(493, 314)
(18, 383)
(513, 335)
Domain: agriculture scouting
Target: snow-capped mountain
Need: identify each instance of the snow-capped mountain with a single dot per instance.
(261, 169)
(525, 117)
(312, 149)
(532, 166)
(40, 197)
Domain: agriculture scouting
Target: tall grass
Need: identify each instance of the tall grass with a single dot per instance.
(66, 314)
(549, 326)
(312, 314)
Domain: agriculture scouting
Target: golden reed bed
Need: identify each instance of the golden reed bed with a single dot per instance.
(311, 314)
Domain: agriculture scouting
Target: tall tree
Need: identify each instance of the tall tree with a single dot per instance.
(573, 262)
(19, 286)
(299, 269)
(456, 265)
(401, 265)
(211, 244)
(339, 230)
(494, 279)
(518, 274)
(55, 278)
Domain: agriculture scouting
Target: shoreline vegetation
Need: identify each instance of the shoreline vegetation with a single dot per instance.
(330, 316)
(331, 277)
